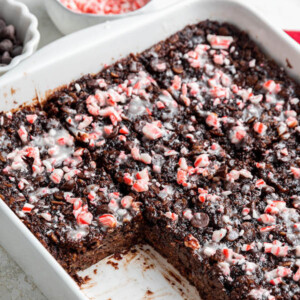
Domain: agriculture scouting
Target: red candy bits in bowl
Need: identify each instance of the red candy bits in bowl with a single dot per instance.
(72, 15)
(104, 7)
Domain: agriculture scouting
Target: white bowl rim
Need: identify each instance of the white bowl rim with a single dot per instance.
(32, 44)
(110, 16)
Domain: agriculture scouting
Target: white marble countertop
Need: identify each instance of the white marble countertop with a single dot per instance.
(14, 283)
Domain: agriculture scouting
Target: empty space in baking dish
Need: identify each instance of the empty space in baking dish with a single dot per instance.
(140, 273)
(86, 52)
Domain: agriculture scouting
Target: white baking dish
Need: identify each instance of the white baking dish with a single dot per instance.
(87, 51)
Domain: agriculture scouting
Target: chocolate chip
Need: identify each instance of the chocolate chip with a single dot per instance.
(222, 171)
(10, 46)
(223, 31)
(178, 69)
(17, 51)
(58, 195)
(200, 220)
(6, 59)
(249, 233)
(54, 238)
(92, 84)
(68, 185)
(8, 32)
(2, 24)
(114, 74)
(6, 45)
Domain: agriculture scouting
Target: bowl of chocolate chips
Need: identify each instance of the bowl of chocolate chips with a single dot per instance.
(19, 35)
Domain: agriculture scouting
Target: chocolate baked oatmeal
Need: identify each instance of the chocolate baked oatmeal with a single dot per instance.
(191, 146)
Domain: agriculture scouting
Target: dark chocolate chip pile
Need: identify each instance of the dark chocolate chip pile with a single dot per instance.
(10, 45)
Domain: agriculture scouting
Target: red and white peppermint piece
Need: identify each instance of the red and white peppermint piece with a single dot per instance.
(183, 164)
(140, 185)
(92, 196)
(233, 175)
(78, 152)
(86, 122)
(245, 211)
(23, 134)
(161, 66)
(218, 59)
(267, 219)
(260, 128)
(145, 158)
(186, 100)
(31, 118)
(176, 83)
(152, 131)
(237, 135)
(245, 173)
(208, 251)
(135, 152)
(202, 161)
(296, 172)
(218, 92)
(219, 41)
(56, 175)
(108, 129)
(296, 276)
(255, 99)
(27, 208)
(290, 113)
(111, 113)
(126, 201)
(160, 105)
(172, 216)
(143, 174)
(284, 152)
(124, 130)
(170, 153)
(218, 235)
(228, 253)
(225, 268)
(260, 183)
(267, 228)
(128, 179)
(226, 80)
(272, 87)
(213, 120)
(248, 247)
(276, 248)
(252, 63)
(108, 220)
(69, 175)
(283, 272)
(187, 214)
(66, 140)
(276, 281)
(46, 216)
(181, 176)
(291, 122)
(274, 207)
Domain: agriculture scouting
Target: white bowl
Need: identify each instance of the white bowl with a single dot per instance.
(68, 21)
(25, 23)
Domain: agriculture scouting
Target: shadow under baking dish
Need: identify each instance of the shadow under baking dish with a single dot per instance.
(140, 273)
